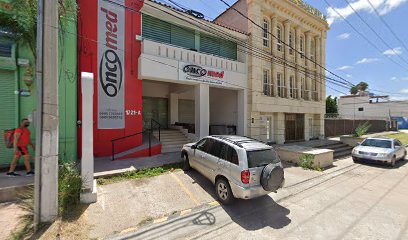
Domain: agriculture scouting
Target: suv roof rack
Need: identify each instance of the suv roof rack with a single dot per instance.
(237, 143)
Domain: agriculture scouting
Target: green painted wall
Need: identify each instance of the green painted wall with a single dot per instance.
(67, 91)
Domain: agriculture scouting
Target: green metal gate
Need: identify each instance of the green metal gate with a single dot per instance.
(8, 111)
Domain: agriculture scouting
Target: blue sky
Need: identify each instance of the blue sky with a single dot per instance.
(348, 54)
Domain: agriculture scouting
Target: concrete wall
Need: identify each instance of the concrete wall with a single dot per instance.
(155, 89)
(223, 107)
(235, 21)
(349, 108)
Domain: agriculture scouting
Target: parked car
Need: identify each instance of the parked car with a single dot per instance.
(386, 150)
(240, 167)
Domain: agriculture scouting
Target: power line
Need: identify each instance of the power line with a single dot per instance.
(284, 43)
(388, 26)
(375, 32)
(360, 34)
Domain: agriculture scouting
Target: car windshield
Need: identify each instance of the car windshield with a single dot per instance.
(261, 158)
(377, 143)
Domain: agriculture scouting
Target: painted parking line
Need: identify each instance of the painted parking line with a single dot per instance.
(189, 193)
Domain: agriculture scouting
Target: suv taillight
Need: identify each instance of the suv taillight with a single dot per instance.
(245, 175)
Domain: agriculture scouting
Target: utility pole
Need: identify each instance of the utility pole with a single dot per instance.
(46, 156)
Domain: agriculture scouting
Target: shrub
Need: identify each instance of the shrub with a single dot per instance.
(306, 162)
(69, 187)
(361, 129)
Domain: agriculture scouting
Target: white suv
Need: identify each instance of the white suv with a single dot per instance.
(240, 167)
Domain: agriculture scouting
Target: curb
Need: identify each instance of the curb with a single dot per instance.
(10, 194)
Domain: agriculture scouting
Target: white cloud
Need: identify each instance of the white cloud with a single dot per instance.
(382, 6)
(405, 91)
(393, 51)
(344, 67)
(367, 60)
(344, 36)
(349, 75)
(399, 79)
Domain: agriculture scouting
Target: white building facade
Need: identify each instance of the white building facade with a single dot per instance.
(192, 73)
(371, 107)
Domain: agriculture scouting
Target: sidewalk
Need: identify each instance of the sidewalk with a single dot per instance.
(105, 166)
(10, 187)
(128, 205)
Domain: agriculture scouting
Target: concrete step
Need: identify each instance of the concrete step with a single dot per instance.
(169, 143)
(341, 154)
(171, 149)
(337, 146)
(343, 148)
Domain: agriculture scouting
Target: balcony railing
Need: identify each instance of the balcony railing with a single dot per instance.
(268, 90)
(282, 92)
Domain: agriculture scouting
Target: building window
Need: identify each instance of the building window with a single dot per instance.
(279, 36)
(312, 50)
(290, 43)
(360, 109)
(6, 50)
(302, 87)
(292, 87)
(281, 85)
(302, 47)
(267, 86)
(315, 95)
(265, 33)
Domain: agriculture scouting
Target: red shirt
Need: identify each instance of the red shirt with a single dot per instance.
(24, 139)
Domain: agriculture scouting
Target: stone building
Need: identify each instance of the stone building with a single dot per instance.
(286, 101)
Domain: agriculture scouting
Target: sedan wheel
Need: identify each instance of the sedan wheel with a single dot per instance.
(393, 160)
(223, 191)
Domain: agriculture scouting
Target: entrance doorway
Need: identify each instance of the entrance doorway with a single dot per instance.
(294, 127)
(157, 109)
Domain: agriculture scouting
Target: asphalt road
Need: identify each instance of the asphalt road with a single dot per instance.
(358, 202)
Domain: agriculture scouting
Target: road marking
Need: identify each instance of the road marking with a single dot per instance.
(184, 212)
(160, 220)
(214, 203)
(132, 229)
(191, 195)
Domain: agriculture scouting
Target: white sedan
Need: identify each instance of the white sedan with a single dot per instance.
(387, 150)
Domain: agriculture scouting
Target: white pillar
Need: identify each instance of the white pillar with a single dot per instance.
(321, 126)
(174, 98)
(279, 128)
(89, 194)
(202, 110)
(242, 112)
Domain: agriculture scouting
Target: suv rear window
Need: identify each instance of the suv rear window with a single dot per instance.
(261, 158)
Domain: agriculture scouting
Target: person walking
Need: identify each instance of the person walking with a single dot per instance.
(20, 146)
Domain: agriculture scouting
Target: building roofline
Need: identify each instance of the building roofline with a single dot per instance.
(226, 10)
(204, 20)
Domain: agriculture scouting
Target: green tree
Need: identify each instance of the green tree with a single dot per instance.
(354, 90)
(362, 86)
(21, 21)
(331, 104)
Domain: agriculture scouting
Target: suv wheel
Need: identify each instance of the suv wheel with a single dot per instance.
(223, 191)
(186, 162)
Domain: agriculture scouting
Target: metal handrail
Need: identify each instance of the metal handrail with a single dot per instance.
(131, 135)
(156, 122)
(150, 130)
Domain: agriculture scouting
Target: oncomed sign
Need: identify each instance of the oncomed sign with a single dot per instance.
(111, 95)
